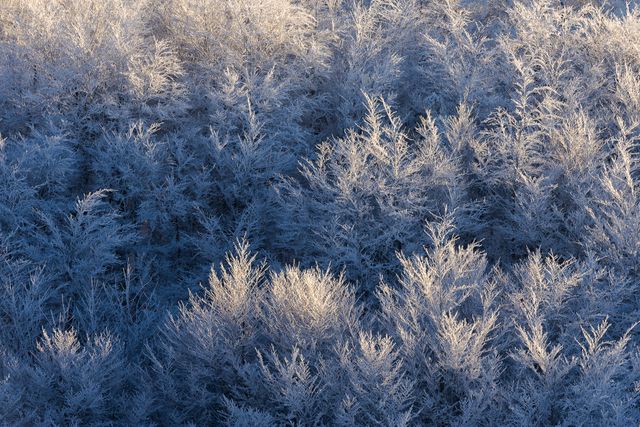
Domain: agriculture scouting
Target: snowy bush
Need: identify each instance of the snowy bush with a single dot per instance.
(319, 212)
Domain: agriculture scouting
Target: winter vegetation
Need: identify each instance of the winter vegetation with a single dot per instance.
(319, 212)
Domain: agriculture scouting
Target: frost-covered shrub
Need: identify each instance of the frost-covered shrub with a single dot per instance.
(209, 343)
(66, 382)
(81, 247)
(537, 171)
(294, 391)
(560, 387)
(368, 195)
(266, 52)
(616, 213)
(378, 55)
(309, 310)
(378, 391)
(48, 163)
(81, 62)
(17, 199)
(461, 62)
(443, 314)
(27, 297)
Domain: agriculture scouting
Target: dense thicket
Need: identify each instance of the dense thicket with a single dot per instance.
(319, 212)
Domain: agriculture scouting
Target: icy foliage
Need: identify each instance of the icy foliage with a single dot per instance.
(319, 212)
